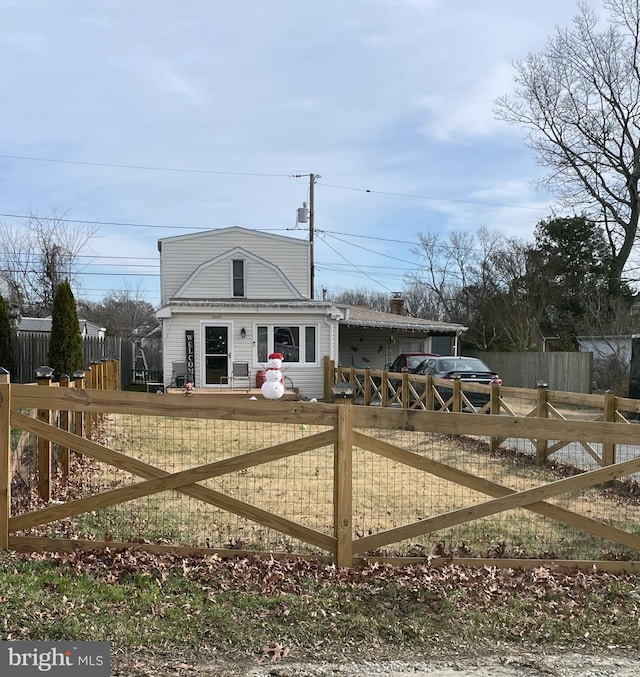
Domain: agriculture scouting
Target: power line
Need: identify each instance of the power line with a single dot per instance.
(432, 197)
(181, 170)
(128, 225)
(372, 251)
(356, 267)
(186, 170)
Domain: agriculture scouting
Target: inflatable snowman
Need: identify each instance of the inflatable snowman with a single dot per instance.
(273, 387)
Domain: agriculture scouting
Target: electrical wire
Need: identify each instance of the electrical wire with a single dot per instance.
(181, 170)
(373, 279)
(214, 172)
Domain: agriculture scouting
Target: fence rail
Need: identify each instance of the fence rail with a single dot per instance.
(341, 482)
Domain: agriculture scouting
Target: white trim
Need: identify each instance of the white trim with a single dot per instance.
(302, 347)
(244, 278)
(203, 362)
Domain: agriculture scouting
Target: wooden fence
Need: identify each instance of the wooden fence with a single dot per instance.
(344, 430)
(570, 371)
(375, 387)
(31, 351)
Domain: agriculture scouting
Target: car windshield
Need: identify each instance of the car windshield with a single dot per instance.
(461, 364)
(413, 362)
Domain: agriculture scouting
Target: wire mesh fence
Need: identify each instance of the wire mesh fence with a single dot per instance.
(388, 494)
(390, 487)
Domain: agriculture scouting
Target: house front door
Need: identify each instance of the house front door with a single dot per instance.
(216, 354)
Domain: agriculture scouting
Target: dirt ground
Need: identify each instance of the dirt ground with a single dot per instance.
(528, 665)
(525, 664)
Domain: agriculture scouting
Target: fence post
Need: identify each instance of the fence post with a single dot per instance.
(43, 378)
(609, 448)
(64, 425)
(329, 378)
(367, 386)
(542, 412)
(5, 457)
(384, 389)
(100, 375)
(494, 410)
(342, 487)
(112, 380)
(78, 382)
(457, 395)
(88, 417)
(404, 393)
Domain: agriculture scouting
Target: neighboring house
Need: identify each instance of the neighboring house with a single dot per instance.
(604, 347)
(42, 325)
(611, 359)
(235, 295)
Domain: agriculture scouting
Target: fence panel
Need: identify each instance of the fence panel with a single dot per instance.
(326, 480)
(571, 371)
(32, 351)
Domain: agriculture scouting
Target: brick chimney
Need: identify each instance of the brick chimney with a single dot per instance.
(397, 304)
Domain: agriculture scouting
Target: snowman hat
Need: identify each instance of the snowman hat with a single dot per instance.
(276, 356)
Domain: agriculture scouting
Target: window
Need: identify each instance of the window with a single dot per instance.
(238, 277)
(297, 344)
(310, 344)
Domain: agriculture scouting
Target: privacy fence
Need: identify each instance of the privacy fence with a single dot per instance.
(340, 482)
(31, 351)
(138, 364)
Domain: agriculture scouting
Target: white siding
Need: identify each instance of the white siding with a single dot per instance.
(308, 379)
(182, 255)
(262, 281)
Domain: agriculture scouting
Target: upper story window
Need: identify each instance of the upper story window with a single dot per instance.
(238, 278)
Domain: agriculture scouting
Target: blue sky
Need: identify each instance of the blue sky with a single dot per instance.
(173, 117)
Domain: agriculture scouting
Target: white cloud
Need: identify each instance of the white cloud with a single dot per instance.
(458, 115)
(395, 96)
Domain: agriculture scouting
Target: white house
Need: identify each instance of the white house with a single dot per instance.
(42, 325)
(231, 296)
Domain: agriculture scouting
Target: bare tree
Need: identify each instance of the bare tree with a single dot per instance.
(487, 282)
(364, 297)
(455, 271)
(420, 301)
(37, 257)
(579, 99)
(123, 312)
(514, 311)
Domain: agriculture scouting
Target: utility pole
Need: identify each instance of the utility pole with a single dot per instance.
(312, 271)
(312, 181)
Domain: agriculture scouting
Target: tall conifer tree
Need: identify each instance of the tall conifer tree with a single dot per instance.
(65, 346)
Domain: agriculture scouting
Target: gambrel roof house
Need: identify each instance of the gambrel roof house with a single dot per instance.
(232, 296)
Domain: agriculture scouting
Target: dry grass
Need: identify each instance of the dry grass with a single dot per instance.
(300, 488)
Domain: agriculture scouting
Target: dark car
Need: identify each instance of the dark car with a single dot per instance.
(467, 369)
(409, 361)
